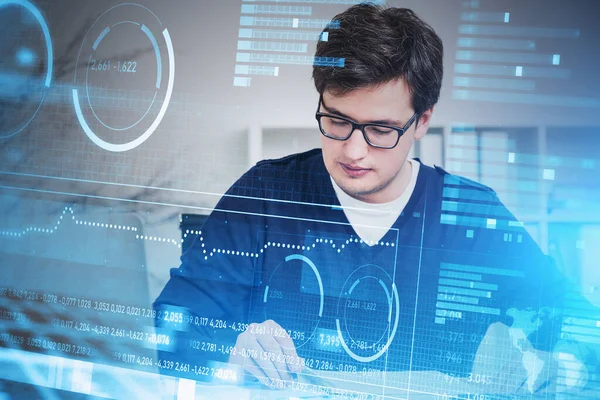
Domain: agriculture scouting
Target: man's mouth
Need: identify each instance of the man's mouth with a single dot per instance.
(354, 170)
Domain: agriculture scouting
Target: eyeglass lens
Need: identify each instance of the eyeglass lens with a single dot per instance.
(341, 129)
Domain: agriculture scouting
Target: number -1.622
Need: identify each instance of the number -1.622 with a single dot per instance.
(118, 66)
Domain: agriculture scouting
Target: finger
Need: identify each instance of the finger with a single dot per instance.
(263, 359)
(274, 352)
(293, 363)
(238, 355)
(264, 379)
(252, 368)
(251, 356)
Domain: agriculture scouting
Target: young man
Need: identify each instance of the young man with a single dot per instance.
(365, 266)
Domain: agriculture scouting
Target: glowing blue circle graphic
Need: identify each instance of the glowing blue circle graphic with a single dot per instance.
(308, 261)
(159, 61)
(49, 55)
(158, 74)
(392, 299)
(387, 296)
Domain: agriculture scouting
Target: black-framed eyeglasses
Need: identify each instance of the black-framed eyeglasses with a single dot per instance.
(380, 136)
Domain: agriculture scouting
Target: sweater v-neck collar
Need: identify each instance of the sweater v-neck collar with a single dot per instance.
(407, 213)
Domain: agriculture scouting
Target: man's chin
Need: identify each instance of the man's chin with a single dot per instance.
(353, 190)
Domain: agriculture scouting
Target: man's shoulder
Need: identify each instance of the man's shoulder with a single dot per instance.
(452, 184)
(292, 177)
(289, 163)
(293, 168)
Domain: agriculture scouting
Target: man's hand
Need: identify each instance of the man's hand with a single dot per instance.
(266, 351)
(510, 363)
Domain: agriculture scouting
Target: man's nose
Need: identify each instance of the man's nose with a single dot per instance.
(356, 147)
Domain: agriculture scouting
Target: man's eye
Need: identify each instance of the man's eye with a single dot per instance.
(380, 131)
(339, 122)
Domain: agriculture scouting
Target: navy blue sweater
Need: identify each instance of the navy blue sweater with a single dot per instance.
(278, 246)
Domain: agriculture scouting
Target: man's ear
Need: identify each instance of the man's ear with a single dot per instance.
(423, 124)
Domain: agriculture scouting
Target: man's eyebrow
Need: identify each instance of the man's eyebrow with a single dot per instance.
(391, 122)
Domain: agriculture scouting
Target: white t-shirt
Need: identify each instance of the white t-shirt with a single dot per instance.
(372, 221)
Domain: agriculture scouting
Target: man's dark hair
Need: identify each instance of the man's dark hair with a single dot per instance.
(380, 45)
